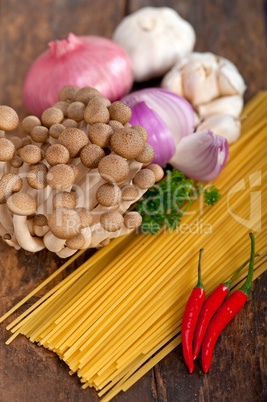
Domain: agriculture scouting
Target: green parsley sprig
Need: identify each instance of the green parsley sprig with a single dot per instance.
(161, 204)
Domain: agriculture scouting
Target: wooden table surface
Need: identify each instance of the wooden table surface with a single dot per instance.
(231, 28)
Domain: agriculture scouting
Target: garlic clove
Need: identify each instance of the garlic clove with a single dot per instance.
(225, 125)
(173, 82)
(232, 105)
(200, 83)
(230, 82)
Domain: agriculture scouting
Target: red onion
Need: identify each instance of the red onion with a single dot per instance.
(159, 136)
(174, 110)
(82, 61)
(201, 156)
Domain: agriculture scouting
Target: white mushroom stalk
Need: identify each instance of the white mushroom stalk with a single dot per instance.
(74, 175)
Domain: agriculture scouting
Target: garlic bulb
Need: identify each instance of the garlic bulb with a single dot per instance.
(225, 125)
(203, 77)
(154, 38)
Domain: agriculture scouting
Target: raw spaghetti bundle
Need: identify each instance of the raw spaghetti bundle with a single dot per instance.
(120, 313)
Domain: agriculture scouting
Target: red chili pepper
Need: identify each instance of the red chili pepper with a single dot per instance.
(190, 317)
(226, 313)
(209, 308)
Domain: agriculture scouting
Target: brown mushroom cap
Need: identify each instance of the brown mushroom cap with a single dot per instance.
(31, 154)
(111, 221)
(26, 141)
(76, 111)
(113, 168)
(40, 220)
(85, 217)
(100, 134)
(70, 123)
(57, 154)
(144, 179)
(68, 93)
(147, 155)
(157, 170)
(120, 112)
(86, 94)
(9, 119)
(60, 177)
(132, 220)
(51, 116)
(29, 123)
(39, 134)
(64, 223)
(114, 124)
(9, 183)
(74, 140)
(101, 100)
(63, 106)
(141, 130)
(7, 150)
(56, 129)
(16, 162)
(17, 141)
(22, 204)
(74, 169)
(64, 200)
(96, 112)
(76, 242)
(108, 194)
(91, 155)
(36, 176)
(127, 143)
(129, 193)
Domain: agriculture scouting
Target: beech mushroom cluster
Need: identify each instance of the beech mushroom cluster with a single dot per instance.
(68, 184)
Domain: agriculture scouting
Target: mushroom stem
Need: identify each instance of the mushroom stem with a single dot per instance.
(66, 252)
(4, 168)
(6, 219)
(30, 226)
(11, 241)
(24, 238)
(53, 243)
(87, 234)
(99, 235)
(40, 231)
(2, 230)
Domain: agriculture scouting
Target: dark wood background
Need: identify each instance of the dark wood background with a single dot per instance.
(231, 28)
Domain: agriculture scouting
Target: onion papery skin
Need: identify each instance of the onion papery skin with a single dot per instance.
(173, 109)
(81, 61)
(201, 156)
(159, 135)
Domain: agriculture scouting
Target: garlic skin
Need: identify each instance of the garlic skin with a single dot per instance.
(203, 77)
(154, 38)
(225, 125)
(232, 105)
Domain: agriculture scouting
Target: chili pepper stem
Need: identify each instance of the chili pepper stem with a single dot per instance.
(229, 283)
(247, 285)
(200, 283)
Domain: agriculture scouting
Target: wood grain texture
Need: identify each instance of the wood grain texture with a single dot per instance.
(231, 28)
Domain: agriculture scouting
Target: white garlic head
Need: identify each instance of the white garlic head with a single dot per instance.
(154, 38)
(203, 77)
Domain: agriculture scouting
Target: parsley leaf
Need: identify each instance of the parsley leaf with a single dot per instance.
(211, 195)
(161, 204)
